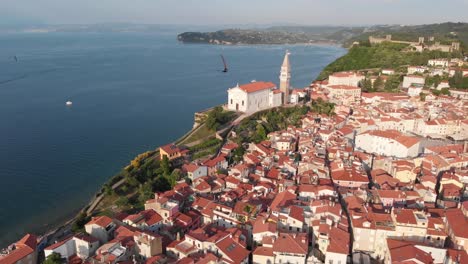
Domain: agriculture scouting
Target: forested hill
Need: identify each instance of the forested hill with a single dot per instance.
(273, 35)
(444, 33)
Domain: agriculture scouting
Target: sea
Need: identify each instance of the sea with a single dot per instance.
(131, 92)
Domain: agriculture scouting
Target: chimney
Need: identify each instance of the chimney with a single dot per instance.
(465, 147)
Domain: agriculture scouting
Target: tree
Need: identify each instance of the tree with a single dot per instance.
(54, 258)
(161, 184)
(166, 167)
(260, 134)
(122, 201)
(108, 190)
(445, 91)
(378, 84)
(392, 83)
(238, 153)
(366, 85)
(422, 97)
(80, 222)
(432, 81)
(176, 174)
(146, 192)
(457, 79)
(217, 117)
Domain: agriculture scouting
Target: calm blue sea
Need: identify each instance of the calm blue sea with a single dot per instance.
(131, 92)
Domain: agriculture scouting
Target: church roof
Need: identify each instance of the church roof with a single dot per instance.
(257, 86)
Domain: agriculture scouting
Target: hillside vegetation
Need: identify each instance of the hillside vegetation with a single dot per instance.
(273, 35)
(444, 33)
(385, 55)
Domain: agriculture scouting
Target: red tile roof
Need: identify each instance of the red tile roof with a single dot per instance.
(296, 243)
(402, 252)
(24, 247)
(257, 86)
(457, 222)
(170, 149)
(407, 141)
(233, 250)
(264, 251)
(102, 221)
(344, 87)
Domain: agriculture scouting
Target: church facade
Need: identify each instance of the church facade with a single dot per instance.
(253, 97)
(256, 96)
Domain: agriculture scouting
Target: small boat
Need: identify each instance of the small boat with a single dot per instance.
(69, 103)
(225, 65)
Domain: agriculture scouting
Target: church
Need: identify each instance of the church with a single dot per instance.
(256, 96)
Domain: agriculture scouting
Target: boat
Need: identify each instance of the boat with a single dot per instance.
(69, 103)
(225, 65)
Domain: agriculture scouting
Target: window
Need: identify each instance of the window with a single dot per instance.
(231, 101)
(242, 102)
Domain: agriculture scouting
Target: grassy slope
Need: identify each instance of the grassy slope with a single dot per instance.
(441, 32)
(385, 55)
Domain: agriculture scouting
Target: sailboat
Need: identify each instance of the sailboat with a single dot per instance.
(225, 65)
(15, 58)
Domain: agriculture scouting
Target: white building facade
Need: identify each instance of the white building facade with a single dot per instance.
(253, 97)
(388, 143)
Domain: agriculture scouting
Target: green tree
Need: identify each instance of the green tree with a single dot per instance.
(80, 221)
(217, 117)
(54, 258)
(248, 209)
(176, 174)
(366, 85)
(392, 83)
(260, 133)
(458, 81)
(161, 184)
(432, 81)
(166, 166)
(122, 202)
(145, 192)
(108, 190)
(378, 84)
(445, 91)
(238, 153)
(422, 97)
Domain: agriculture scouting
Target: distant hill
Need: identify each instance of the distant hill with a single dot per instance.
(444, 32)
(274, 35)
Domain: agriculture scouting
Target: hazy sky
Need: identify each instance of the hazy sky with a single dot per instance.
(204, 12)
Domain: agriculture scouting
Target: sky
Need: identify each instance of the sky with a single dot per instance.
(235, 12)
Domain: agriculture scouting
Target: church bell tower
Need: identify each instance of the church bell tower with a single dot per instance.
(285, 77)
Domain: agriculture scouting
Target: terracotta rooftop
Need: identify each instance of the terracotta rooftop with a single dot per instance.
(257, 86)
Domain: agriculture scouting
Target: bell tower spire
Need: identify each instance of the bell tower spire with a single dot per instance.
(285, 77)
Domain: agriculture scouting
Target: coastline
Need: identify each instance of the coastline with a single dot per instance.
(62, 228)
(318, 43)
